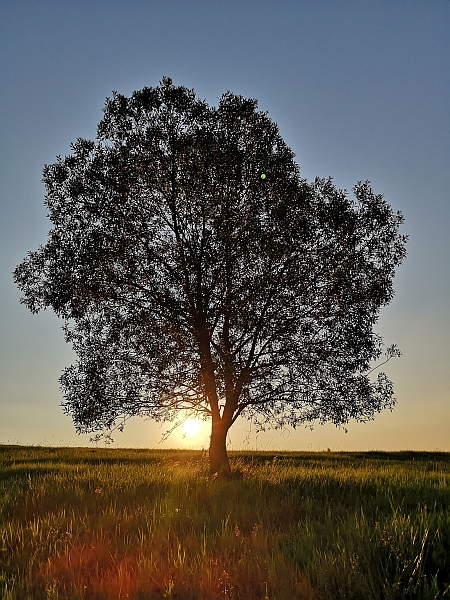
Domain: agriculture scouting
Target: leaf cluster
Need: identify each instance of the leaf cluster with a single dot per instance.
(177, 267)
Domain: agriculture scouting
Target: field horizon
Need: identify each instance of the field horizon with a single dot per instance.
(100, 523)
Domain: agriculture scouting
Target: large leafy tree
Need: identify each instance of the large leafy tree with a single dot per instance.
(197, 271)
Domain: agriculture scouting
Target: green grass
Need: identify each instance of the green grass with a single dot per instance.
(79, 523)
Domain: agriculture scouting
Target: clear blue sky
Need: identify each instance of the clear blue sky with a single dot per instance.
(360, 90)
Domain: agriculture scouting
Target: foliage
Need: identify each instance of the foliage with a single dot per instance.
(187, 280)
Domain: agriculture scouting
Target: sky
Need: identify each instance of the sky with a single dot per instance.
(360, 91)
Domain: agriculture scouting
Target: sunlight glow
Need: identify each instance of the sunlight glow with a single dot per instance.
(191, 427)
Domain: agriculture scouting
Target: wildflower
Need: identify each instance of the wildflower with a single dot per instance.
(98, 491)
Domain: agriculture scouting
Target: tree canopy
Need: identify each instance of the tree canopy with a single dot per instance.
(196, 270)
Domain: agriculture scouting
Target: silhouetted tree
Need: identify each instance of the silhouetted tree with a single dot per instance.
(197, 271)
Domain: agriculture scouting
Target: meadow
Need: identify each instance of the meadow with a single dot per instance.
(98, 524)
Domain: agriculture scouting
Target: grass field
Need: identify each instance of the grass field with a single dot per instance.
(78, 523)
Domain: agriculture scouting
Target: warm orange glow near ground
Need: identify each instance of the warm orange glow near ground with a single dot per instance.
(191, 427)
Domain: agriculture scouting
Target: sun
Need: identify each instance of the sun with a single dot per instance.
(191, 427)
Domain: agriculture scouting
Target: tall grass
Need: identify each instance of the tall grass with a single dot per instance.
(101, 523)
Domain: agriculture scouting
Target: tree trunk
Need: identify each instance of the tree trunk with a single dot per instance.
(218, 457)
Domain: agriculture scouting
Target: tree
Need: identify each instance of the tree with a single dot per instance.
(197, 271)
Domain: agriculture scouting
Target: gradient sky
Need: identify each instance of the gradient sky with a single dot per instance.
(360, 90)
